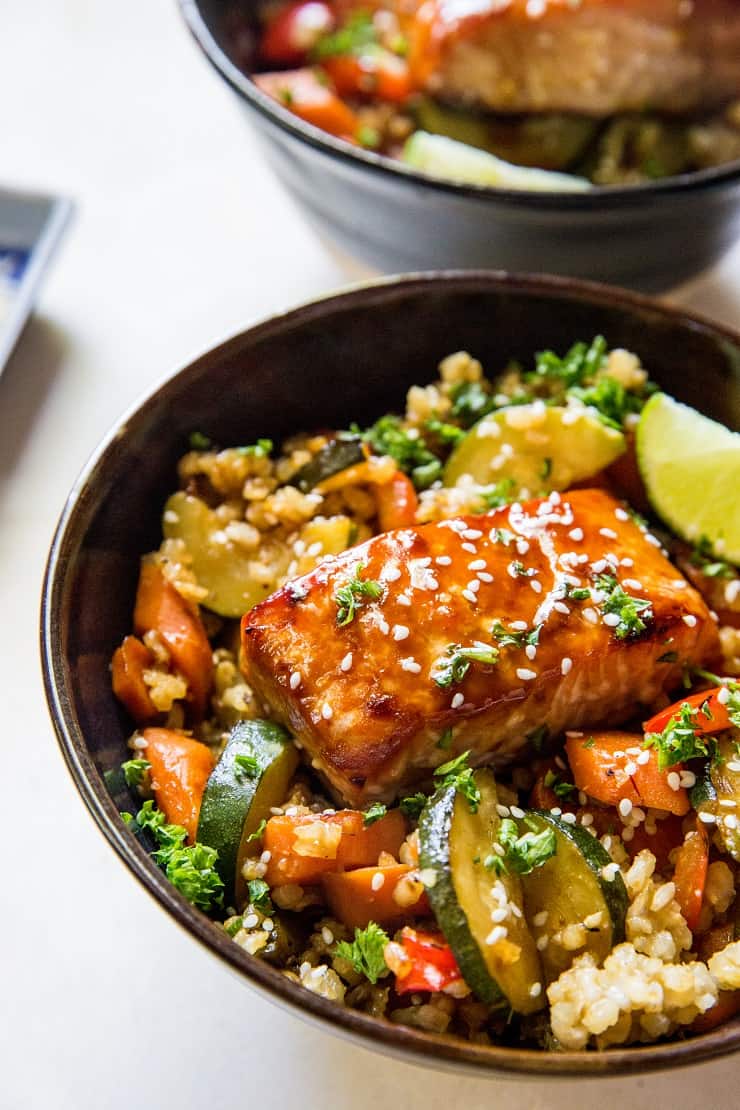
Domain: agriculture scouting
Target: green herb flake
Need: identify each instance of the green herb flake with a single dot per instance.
(448, 434)
(413, 805)
(635, 613)
(703, 557)
(680, 740)
(353, 594)
(191, 868)
(233, 925)
(495, 497)
(445, 740)
(470, 402)
(451, 668)
(134, 771)
(407, 447)
(259, 831)
(199, 442)
(259, 450)
(374, 813)
(581, 364)
(518, 638)
(365, 953)
(457, 773)
(538, 737)
(589, 742)
(259, 896)
(354, 37)
(522, 854)
(247, 765)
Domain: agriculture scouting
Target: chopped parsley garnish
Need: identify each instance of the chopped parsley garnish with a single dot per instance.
(247, 765)
(233, 926)
(538, 737)
(634, 612)
(445, 740)
(680, 739)
(470, 402)
(354, 592)
(496, 496)
(388, 437)
(365, 953)
(504, 536)
(589, 742)
(413, 805)
(374, 813)
(515, 637)
(449, 434)
(356, 34)
(199, 442)
(610, 399)
(458, 774)
(522, 854)
(189, 867)
(703, 557)
(580, 364)
(575, 593)
(559, 786)
(546, 469)
(259, 896)
(452, 667)
(259, 450)
(259, 831)
(519, 569)
(134, 771)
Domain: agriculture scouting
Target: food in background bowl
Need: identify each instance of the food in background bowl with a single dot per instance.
(544, 96)
(415, 776)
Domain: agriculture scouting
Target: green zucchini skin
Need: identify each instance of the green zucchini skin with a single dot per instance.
(454, 844)
(595, 857)
(337, 455)
(718, 784)
(435, 823)
(235, 802)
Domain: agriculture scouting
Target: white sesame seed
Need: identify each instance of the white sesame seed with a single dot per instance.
(377, 880)
(472, 534)
(632, 584)
(651, 539)
(540, 919)
(391, 574)
(733, 765)
(690, 620)
(250, 921)
(484, 576)
(497, 933)
(326, 711)
(346, 662)
(611, 620)
(556, 811)
(457, 701)
(587, 819)
(731, 821)
(535, 585)
(266, 856)
(469, 597)
(688, 779)
(295, 680)
(566, 665)
(409, 664)
(403, 599)
(326, 935)
(503, 811)
(643, 758)
(627, 562)
(707, 818)
(499, 914)
(525, 675)
(542, 943)
(473, 586)
(383, 626)
(519, 626)
(610, 871)
(620, 514)
(625, 807)
(517, 812)
(400, 632)
(470, 547)
(599, 566)
(608, 533)
(530, 651)
(443, 560)
(576, 534)
(477, 564)
(723, 695)
(561, 607)
(590, 615)
(568, 818)
(535, 990)
(522, 547)
(729, 802)
(674, 780)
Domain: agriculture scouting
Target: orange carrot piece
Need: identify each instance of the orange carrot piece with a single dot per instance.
(397, 503)
(714, 719)
(301, 92)
(377, 73)
(599, 769)
(691, 874)
(159, 607)
(667, 836)
(129, 662)
(726, 1007)
(357, 845)
(180, 767)
(368, 894)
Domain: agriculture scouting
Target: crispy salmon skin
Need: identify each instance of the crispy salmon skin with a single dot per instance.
(591, 56)
(474, 633)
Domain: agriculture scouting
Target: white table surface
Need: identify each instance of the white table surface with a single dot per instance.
(182, 236)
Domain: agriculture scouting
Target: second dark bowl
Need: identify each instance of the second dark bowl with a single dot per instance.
(650, 236)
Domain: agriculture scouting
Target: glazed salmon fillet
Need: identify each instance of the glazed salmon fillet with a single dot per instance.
(595, 57)
(382, 698)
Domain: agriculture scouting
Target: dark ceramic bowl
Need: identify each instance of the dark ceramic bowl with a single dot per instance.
(348, 357)
(649, 236)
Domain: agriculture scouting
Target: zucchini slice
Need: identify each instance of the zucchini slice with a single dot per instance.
(718, 793)
(497, 957)
(240, 793)
(331, 459)
(571, 889)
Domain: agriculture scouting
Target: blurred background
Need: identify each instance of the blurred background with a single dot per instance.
(180, 236)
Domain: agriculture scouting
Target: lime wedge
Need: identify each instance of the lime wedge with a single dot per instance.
(691, 469)
(540, 448)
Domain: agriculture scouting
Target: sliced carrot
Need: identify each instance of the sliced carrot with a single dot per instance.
(129, 662)
(598, 763)
(691, 874)
(726, 1007)
(712, 715)
(373, 894)
(429, 964)
(301, 92)
(179, 772)
(667, 836)
(304, 848)
(159, 607)
(375, 72)
(397, 503)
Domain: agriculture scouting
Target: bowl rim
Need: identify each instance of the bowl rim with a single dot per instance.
(402, 1042)
(598, 197)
